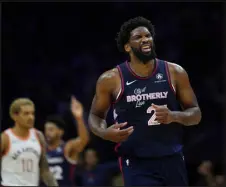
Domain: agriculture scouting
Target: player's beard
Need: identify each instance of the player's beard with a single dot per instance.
(144, 57)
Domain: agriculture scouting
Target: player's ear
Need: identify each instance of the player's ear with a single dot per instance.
(14, 116)
(61, 132)
(127, 48)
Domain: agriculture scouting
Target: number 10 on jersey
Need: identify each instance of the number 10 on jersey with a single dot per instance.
(152, 120)
(27, 165)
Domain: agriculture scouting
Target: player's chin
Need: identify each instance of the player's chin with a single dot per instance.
(30, 125)
(146, 53)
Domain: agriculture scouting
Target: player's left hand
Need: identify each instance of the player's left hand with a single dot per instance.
(76, 108)
(163, 114)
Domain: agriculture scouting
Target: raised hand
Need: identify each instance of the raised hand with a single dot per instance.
(76, 108)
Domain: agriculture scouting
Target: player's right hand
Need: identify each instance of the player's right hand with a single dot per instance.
(114, 134)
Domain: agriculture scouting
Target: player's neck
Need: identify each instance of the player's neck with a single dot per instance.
(90, 167)
(21, 132)
(54, 145)
(142, 69)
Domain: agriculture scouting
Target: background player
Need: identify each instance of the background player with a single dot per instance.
(148, 94)
(23, 149)
(62, 156)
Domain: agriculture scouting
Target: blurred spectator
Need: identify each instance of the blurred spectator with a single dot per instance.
(94, 174)
(207, 175)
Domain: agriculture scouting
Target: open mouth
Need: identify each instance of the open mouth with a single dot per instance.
(146, 48)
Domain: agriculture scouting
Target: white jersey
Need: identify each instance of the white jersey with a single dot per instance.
(20, 164)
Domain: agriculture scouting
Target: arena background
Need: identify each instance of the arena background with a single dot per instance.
(53, 50)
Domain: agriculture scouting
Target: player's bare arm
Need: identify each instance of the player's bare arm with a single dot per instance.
(4, 143)
(106, 89)
(102, 101)
(46, 176)
(191, 114)
(75, 146)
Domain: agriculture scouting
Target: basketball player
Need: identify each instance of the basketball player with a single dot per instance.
(62, 156)
(23, 149)
(153, 99)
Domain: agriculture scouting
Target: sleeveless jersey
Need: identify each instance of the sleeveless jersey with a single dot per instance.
(20, 164)
(133, 105)
(61, 167)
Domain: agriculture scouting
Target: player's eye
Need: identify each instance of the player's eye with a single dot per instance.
(136, 37)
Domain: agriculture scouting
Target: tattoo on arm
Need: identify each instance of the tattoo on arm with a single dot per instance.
(46, 176)
(188, 117)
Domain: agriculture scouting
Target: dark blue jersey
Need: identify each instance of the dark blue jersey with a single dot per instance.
(133, 105)
(62, 169)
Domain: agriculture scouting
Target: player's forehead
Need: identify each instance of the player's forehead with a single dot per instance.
(50, 124)
(140, 31)
(27, 108)
(90, 153)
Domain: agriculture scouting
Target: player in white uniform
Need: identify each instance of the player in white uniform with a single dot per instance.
(23, 154)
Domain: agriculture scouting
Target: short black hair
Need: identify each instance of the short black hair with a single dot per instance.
(125, 30)
(57, 120)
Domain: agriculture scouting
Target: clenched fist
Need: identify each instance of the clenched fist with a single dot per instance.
(163, 114)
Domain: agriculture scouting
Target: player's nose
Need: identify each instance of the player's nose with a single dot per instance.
(31, 117)
(146, 41)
